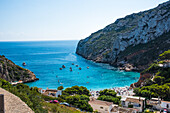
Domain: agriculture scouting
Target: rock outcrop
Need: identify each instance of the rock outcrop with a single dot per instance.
(14, 104)
(107, 44)
(12, 72)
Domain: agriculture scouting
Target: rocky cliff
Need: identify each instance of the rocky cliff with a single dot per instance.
(123, 42)
(11, 72)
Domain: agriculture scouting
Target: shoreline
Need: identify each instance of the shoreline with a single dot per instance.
(28, 81)
(121, 91)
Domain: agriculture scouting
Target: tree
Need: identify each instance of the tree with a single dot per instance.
(109, 95)
(60, 88)
(80, 101)
(80, 90)
(165, 55)
(159, 80)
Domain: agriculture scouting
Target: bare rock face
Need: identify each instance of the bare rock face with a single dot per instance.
(14, 104)
(12, 72)
(140, 28)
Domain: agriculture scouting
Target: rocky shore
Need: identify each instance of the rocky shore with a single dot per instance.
(12, 72)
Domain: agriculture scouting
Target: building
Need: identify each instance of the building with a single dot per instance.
(94, 94)
(133, 102)
(166, 64)
(165, 105)
(101, 106)
(154, 103)
(50, 92)
(117, 109)
(159, 104)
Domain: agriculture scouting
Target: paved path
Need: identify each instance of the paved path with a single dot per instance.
(14, 104)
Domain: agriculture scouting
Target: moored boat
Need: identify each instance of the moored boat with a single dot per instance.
(24, 64)
(63, 66)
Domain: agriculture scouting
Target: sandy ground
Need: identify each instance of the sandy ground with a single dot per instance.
(14, 104)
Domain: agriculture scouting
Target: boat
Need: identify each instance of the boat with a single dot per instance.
(63, 66)
(79, 68)
(24, 64)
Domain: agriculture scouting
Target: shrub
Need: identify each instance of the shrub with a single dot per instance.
(159, 80)
(165, 55)
(130, 106)
(109, 95)
(60, 88)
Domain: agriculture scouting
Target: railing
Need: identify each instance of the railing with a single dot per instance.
(2, 109)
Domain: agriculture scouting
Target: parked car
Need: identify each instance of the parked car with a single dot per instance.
(54, 101)
(165, 111)
(65, 103)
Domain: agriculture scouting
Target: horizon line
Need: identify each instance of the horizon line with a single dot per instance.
(35, 40)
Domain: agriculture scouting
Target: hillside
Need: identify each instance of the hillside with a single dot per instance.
(113, 43)
(31, 96)
(155, 80)
(12, 72)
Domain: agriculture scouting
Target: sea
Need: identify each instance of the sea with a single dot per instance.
(44, 58)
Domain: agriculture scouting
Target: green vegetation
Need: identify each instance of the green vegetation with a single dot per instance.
(77, 96)
(109, 95)
(165, 55)
(30, 96)
(154, 90)
(77, 90)
(60, 88)
(143, 54)
(34, 99)
(56, 108)
(159, 84)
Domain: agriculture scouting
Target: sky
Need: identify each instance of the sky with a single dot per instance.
(32, 20)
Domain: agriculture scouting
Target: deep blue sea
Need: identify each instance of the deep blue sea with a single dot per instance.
(44, 58)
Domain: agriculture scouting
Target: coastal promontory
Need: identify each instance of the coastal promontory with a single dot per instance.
(12, 72)
(131, 42)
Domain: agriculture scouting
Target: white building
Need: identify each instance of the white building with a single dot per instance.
(101, 106)
(159, 104)
(165, 105)
(134, 102)
(51, 92)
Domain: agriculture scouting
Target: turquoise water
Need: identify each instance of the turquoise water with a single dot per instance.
(44, 58)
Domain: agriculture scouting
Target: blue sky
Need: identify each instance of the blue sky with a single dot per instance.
(23, 20)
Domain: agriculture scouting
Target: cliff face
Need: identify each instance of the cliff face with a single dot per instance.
(107, 45)
(11, 72)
